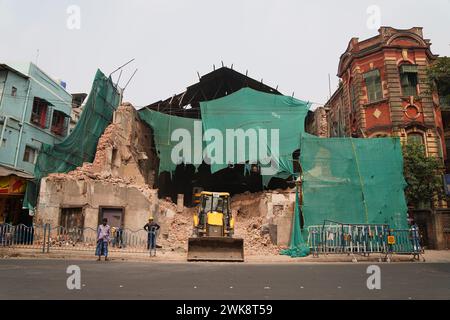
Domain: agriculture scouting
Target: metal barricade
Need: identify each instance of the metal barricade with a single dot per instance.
(405, 241)
(22, 236)
(363, 239)
(333, 237)
(85, 239)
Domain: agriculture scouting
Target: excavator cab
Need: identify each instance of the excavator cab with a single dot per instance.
(213, 230)
(214, 218)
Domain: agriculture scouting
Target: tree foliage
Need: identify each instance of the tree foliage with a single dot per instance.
(439, 77)
(423, 175)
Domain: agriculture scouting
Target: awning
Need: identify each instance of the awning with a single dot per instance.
(61, 107)
(56, 105)
(4, 172)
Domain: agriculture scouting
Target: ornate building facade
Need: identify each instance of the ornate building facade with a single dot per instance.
(384, 91)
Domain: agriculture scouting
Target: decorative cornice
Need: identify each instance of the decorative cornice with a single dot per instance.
(386, 37)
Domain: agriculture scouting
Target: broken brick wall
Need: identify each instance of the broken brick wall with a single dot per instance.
(264, 219)
(120, 177)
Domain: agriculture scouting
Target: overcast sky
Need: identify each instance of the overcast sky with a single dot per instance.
(293, 44)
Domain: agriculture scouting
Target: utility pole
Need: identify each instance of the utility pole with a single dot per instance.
(329, 86)
(37, 56)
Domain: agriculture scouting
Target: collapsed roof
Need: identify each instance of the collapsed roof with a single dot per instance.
(214, 85)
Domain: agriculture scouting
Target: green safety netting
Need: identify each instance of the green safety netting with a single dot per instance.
(81, 144)
(353, 181)
(298, 247)
(252, 109)
(244, 109)
(164, 126)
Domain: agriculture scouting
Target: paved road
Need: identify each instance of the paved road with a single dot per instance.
(46, 279)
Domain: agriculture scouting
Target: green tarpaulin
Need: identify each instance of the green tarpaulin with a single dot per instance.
(81, 144)
(260, 112)
(270, 125)
(297, 247)
(353, 181)
(164, 126)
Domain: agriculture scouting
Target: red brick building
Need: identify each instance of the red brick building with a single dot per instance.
(383, 91)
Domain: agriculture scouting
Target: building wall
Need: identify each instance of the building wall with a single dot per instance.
(17, 110)
(317, 122)
(394, 113)
(121, 176)
(92, 195)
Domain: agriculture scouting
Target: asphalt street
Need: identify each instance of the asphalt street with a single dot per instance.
(47, 279)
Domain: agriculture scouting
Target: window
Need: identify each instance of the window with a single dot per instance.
(373, 85)
(72, 223)
(354, 95)
(440, 151)
(30, 155)
(39, 113)
(13, 91)
(415, 137)
(341, 127)
(59, 123)
(408, 79)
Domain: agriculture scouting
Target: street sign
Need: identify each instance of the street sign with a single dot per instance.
(391, 239)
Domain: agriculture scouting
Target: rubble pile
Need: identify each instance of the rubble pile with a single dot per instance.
(250, 225)
(256, 237)
(100, 168)
(179, 229)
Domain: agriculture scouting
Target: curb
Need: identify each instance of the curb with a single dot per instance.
(169, 258)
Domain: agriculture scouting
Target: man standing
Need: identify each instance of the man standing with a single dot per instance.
(151, 227)
(103, 234)
(119, 236)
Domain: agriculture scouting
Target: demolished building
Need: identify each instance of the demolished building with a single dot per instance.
(133, 174)
(124, 184)
(118, 185)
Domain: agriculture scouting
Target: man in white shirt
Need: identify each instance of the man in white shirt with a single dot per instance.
(103, 234)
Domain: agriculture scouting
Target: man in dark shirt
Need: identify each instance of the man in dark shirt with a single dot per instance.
(151, 227)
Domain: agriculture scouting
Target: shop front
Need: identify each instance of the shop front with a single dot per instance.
(12, 191)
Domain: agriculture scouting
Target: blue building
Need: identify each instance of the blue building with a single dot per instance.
(34, 109)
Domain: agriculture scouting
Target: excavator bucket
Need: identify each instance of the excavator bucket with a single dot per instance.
(215, 249)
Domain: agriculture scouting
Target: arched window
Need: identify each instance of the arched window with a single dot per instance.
(416, 137)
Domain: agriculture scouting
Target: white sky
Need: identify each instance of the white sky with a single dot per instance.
(290, 43)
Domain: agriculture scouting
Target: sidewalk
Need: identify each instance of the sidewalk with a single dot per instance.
(431, 256)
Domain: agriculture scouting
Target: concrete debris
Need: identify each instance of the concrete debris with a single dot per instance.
(256, 241)
(179, 229)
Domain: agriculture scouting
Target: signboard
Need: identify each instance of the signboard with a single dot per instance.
(391, 239)
(12, 185)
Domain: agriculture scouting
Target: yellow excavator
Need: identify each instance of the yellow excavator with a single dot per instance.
(213, 231)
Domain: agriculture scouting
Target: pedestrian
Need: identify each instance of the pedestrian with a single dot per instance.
(119, 236)
(113, 236)
(151, 227)
(103, 234)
